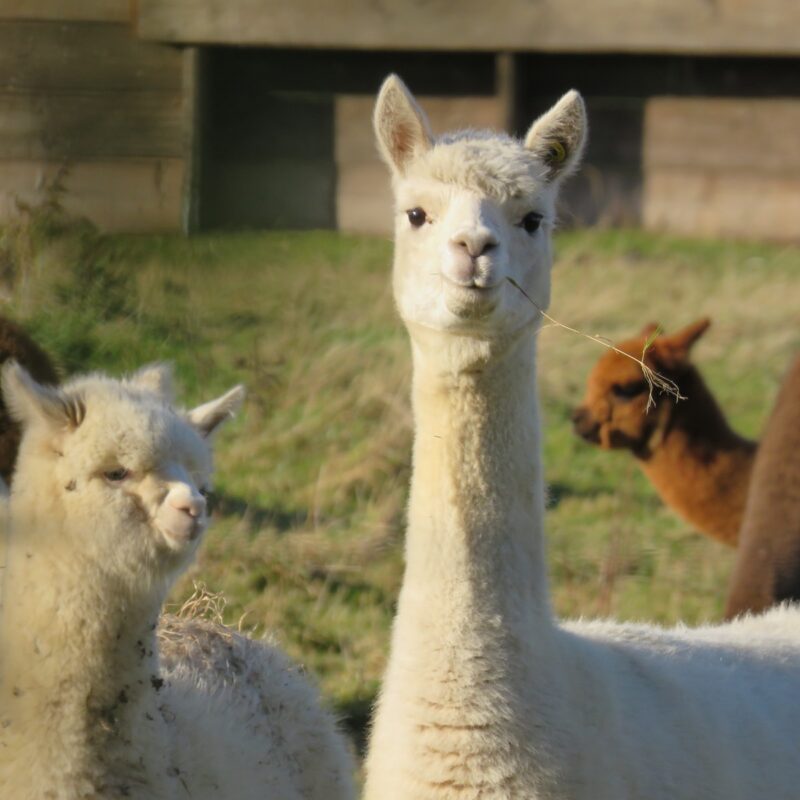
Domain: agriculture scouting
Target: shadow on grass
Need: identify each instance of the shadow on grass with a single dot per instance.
(557, 492)
(256, 517)
(354, 717)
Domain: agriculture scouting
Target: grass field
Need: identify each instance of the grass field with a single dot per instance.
(312, 477)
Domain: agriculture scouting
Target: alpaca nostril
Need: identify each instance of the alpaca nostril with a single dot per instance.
(193, 506)
(475, 243)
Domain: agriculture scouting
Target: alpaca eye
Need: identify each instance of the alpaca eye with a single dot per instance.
(417, 216)
(531, 222)
(116, 475)
(627, 391)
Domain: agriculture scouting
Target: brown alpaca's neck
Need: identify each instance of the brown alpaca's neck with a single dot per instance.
(701, 467)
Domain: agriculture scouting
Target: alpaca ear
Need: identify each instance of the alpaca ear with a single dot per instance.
(649, 329)
(674, 349)
(156, 378)
(209, 416)
(402, 129)
(685, 338)
(558, 137)
(29, 401)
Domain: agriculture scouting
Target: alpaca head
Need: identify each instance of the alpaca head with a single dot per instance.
(473, 212)
(614, 411)
(112, 471)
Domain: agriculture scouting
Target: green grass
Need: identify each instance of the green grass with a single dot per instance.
(313, 476)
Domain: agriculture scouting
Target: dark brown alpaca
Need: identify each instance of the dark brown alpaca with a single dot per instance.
(16, 344)
(697, 463)
(767, 566)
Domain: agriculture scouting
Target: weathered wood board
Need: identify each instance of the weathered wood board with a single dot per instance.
(90, 126)
(115, 195)
(723, 167)
(364, 198)
(735, 204)
(57, 57)
(67, 10)
(723, 133)
(678, 26)
(80, 90)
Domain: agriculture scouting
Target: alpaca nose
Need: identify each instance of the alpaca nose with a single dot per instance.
(583, 424)
(474, 241)
(189, 502)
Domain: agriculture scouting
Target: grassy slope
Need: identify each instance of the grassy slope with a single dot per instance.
(312, 479)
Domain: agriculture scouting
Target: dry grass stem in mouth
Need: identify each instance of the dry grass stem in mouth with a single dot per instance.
(655, 381)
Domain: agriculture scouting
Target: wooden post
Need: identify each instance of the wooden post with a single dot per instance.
(506, 88)
(193, 90)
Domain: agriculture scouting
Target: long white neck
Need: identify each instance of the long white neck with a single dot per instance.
(474, 541)
(474, 648)
(78, 669)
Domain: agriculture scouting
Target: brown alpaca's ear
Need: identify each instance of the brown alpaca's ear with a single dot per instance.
(649, 329)
(673, 350)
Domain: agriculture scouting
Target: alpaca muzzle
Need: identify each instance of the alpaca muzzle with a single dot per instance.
(585, 426)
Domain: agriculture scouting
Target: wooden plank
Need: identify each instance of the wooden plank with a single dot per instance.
(67, 10)
(507, 89)
(115, 195)
(194, 63)
(364, 199)
(680, 26)
(57, 57)
(710, 133)
(92, 126)
(355, 140)
(735, 204)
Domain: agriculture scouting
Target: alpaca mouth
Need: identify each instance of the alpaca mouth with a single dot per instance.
(481, 282)
(178, 538)
(590, 435)
(471, 300)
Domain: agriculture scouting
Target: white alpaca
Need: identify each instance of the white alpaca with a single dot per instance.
(106, 509)
(485, 695)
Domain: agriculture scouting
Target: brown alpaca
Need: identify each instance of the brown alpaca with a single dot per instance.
(767, 566)
(16, 344)
(697, 463)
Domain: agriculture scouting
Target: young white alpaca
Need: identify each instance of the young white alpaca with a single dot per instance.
(106, 509)
(485, 695)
